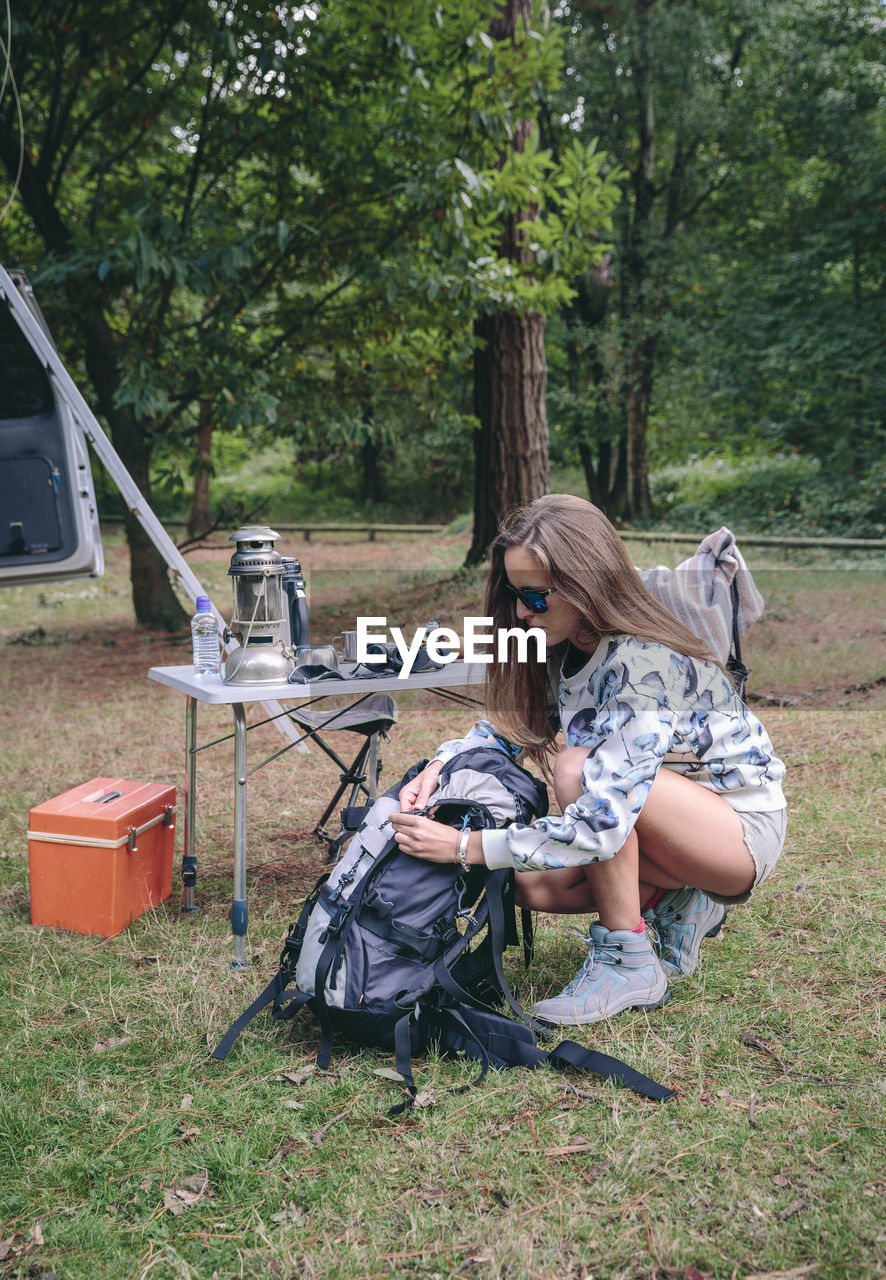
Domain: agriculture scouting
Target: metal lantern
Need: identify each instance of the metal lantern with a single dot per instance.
(258, 619)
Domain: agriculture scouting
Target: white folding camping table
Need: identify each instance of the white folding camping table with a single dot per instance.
(211, 689)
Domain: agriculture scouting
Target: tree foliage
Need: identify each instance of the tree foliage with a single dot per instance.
(743, 299)
(237, 212)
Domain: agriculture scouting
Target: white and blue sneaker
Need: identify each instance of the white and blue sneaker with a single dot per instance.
(621, 972)
(680, 921)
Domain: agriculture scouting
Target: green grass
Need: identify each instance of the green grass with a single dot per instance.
(770, 1160)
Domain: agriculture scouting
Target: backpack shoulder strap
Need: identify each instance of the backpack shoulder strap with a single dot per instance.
(570, 1054)
(493, 1039)
(270, 993)
(273, 992)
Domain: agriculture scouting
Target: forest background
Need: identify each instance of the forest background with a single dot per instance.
(346, 260)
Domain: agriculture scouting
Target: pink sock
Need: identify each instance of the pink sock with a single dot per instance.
(640, 928)
(656, 897)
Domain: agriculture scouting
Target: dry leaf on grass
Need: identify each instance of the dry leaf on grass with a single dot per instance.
(388, 1073)
(795, 1273)
(27, 1246)
(187, 1102)
(292, 1104)
(112, 1042)
(186, 1193)
(288, 1213)
(296, 1077)
(319, 1134)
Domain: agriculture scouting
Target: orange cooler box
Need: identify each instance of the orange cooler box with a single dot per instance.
(101, 854)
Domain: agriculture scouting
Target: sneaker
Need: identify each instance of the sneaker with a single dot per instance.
(621, 972)
(680, 921)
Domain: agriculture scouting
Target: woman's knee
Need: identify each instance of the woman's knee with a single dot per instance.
(561, 892)
(568, 775)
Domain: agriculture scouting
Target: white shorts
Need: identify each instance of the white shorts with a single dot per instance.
(764, 835)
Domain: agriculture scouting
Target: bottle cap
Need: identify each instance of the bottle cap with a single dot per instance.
(204, 604)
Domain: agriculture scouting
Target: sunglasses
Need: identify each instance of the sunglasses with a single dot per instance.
(534, 600)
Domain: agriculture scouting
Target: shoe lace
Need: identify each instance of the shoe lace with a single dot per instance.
(597, 952)
(670, 915)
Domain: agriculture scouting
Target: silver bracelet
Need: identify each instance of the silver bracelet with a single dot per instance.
(462, 853)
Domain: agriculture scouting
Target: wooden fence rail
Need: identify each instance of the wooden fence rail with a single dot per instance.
(629, 535)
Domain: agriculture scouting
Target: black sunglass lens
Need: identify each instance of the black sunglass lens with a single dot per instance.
(534, 600)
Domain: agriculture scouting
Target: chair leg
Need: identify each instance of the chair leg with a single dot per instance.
(355, 777)
(374, 769)
(361, 776)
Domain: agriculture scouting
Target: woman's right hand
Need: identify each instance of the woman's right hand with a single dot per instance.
(415, 794)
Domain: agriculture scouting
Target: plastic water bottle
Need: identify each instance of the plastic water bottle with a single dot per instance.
(204, 637)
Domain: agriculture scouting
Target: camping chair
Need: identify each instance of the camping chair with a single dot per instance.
(372, 717)
(714, 595)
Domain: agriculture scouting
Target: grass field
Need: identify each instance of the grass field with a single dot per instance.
(125, 1152)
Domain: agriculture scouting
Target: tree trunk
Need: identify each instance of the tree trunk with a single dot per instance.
(371, 482)
(617, 504)
(639, 504)
(370, 489)
(639, 351)
(511, 446)
(198, 519)
(510, 375)
(155, 603)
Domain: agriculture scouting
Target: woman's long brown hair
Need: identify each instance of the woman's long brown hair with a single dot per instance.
(590, 569)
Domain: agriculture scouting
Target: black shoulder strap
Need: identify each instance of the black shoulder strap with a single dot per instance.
(734, 664)
(486, 1034)
(570, 1054)
(403, 1048)
(528, 930)
(494, 887)
(272, 992)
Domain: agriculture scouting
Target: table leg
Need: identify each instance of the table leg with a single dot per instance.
(189, 856)
(239, 906)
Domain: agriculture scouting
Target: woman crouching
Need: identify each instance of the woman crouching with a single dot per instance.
(669, 790)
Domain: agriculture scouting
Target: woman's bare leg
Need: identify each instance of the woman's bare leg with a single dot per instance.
(685, 834)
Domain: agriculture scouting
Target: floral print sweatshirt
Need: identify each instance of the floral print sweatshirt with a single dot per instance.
(637, 706)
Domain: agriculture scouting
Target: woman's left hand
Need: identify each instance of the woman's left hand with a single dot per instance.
(423, 838)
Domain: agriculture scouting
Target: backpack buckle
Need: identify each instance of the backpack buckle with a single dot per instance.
(336, 924)
(291, 948)
(445, 930)
(379, 905)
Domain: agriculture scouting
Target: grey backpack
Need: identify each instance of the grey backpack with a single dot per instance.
(399, 953)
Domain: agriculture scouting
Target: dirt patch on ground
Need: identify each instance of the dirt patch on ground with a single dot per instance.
(819, 645)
